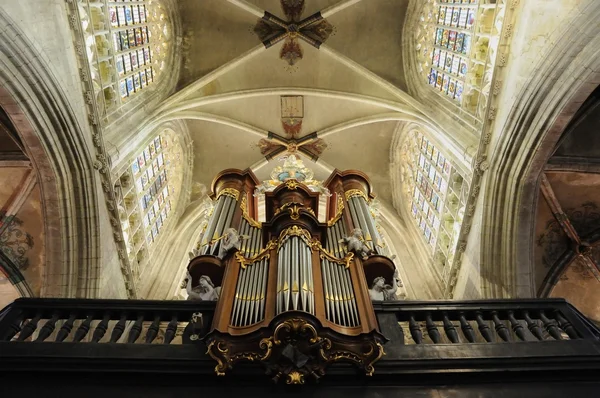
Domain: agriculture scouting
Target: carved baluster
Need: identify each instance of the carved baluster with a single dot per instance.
(415, 330)
(501, 328)
(566, 326)
(551, 326)
(533, 327)
(450, 329)
(118, 329)
(66, 328)
(467, 329)
(153, 330)
(13, 329)
(171, 329)
(484, 329)
(48, 328)
(135, 331)
(29, 328)
(432, 330)
(516, 326)
(101, 329)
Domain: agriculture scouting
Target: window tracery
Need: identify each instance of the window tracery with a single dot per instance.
(149, 189)
(457, 41)
(126, 45)
(437, 194)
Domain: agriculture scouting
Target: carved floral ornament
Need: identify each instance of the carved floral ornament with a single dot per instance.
(296, 350)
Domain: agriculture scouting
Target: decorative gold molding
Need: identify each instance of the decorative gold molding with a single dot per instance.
(356, 192)
(246, 215)
(232, 192)
(294, 230)
(316, 245)
(294, 208)
(292, 184)
(338, 214)
(264, 253)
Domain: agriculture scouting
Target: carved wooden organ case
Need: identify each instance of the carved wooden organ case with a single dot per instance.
(293, 297)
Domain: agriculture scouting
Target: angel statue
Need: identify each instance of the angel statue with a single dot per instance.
(205, 291)
(356, 243)
(379, 291)
(229, 241)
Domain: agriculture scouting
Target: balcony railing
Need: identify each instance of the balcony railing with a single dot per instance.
(443, 338)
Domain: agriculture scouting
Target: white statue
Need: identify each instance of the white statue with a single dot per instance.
(229, 241)
(205, 291)
(379, 291)
(356, 243)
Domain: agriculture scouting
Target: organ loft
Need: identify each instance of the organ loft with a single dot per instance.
(294, 292)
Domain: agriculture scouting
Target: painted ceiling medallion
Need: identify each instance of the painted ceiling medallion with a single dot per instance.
(313, 29)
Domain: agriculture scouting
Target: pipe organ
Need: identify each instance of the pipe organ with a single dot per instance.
(295, 293)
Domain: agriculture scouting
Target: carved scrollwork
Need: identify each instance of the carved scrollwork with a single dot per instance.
(292, 184)
(324, 254)
(338, 214)
(264, 253)
(246, 215)
(297, 348)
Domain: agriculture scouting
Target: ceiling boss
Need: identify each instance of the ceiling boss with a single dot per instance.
(313, 29)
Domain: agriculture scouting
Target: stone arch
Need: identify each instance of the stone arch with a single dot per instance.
(56, 144)
(551, 96)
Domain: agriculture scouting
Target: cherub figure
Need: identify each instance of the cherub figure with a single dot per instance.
(229, 241)
(356, 243)
(382, 292)
(205, 291)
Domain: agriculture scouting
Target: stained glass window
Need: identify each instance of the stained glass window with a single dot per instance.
(456, 47)
(431, 172)
(149, 187)
(150, 172)
(436, 195)
(126, 45)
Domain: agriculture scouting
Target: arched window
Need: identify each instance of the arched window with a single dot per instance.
(436, 193)
(456, 43)
(126, 44)
(149, 189)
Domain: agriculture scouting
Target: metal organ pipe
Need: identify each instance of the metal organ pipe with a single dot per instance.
(210, 229)
(224, 222)
(362, 223)
(249, 301)
(364, 207)
(340, 301)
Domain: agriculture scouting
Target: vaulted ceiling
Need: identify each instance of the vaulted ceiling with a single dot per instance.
(231, 84)
(567, 251)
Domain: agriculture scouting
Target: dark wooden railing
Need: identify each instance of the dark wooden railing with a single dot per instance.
(105, 321)
(448, 339)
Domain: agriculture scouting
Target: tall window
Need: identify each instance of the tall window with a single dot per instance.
(126, 42)
(457, 42)
(150, 188)
(437, 195)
